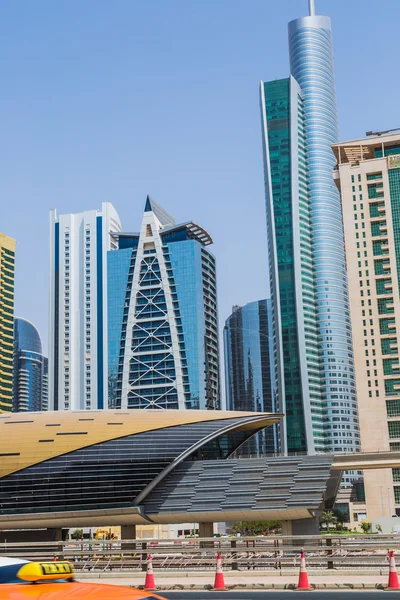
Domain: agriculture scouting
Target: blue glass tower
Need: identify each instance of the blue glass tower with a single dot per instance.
(249, 368)
(310, 307)
(162, 316)
(311, 64)
(30, 369)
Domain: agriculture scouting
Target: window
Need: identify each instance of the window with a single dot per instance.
(393, 408)
(394, 429)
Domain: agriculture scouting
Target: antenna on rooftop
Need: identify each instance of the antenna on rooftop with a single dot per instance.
(311, 7)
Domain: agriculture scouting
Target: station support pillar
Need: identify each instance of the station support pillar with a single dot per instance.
(128, 532)
(206, 530)
(301, 527)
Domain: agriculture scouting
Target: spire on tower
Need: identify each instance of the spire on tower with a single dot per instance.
(311, 7)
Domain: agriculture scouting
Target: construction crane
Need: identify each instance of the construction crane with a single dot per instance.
(379, 133)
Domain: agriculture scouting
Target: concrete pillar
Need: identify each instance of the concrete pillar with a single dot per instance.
(206, 530)
(300, 527)
(128, 532)
(55, 534)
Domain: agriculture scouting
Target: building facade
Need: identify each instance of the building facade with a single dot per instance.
(249, 368)
(291, 267)
(78, 344)
(162, 307)
(314, 362)
(368, 177)
(30, 388)
(312, 65)
(7, 273)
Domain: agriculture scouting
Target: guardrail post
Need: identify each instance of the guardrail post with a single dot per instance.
(233, 546)
(329, 545)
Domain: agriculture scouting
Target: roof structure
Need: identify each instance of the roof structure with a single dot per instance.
(29, 438)
(161, 214)
(195, 232)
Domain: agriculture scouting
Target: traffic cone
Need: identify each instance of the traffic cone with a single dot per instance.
(393, 583)
(149, 583)
(219, 582)
(55, 558)
(303, 577)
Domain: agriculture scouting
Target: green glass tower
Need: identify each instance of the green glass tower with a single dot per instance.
(291, 266)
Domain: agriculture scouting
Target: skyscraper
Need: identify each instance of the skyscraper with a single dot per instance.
(311, 64)
(78, 308)
(7, 270)
(311, 315)
(162, 306)
(368, 177)
(249, 375)
(291, 266)
(30, 379)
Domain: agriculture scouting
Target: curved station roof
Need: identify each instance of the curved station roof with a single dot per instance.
(133, 467)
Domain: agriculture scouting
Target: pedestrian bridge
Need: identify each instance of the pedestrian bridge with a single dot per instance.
(365, 460)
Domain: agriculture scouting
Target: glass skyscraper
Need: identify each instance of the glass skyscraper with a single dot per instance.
(30, 388)
(162, 316)
(249, 367)
(310, 307)
(291, 265)
(311, 64)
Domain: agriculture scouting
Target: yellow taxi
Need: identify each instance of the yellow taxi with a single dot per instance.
(23, 580)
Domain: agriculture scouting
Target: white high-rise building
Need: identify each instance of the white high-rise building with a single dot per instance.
(78, 307)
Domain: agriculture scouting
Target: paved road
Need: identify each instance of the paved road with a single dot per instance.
(272, 595)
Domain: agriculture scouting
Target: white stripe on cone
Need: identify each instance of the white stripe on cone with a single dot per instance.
(150, 564)
(302, 563)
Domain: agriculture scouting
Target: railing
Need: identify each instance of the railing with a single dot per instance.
(239, 554)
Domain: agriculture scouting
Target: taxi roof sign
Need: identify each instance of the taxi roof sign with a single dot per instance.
(46, 571)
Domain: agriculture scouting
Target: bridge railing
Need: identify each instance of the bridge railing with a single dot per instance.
(241, 554)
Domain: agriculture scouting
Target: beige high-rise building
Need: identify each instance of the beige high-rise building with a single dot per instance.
(7, 259)
(368, 177)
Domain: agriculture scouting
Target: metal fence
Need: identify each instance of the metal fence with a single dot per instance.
(352, 552)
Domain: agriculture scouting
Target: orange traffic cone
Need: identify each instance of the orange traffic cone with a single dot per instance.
(149, 584)
(393, 583)
(303, 577)
(219, 582)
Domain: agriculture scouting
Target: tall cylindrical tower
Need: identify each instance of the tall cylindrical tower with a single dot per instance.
(311, 64)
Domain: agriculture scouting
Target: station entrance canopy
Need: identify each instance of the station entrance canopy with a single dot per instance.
(86, 468)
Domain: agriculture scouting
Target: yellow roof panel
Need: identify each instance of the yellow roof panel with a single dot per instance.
(29, 438)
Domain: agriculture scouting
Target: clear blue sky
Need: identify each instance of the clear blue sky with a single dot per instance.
(114, 99)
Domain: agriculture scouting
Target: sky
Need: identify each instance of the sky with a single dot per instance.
(116, 99)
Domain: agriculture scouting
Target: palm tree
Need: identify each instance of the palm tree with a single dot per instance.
(328, 518)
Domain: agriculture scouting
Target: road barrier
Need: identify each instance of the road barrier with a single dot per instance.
(347, 552)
